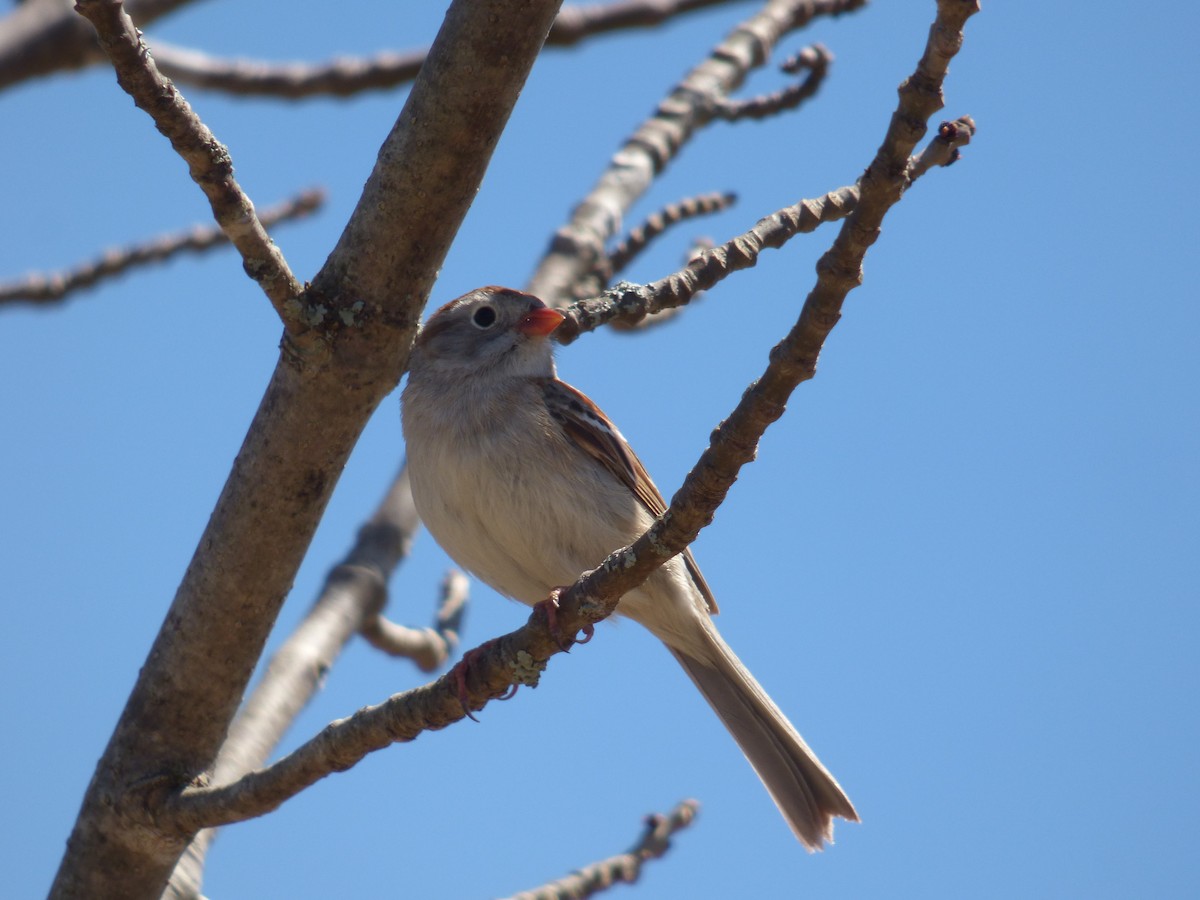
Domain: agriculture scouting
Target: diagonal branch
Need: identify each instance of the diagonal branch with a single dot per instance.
(625, 867)
(691, 105)
(520, 656)
(45, 289)
(208, 160)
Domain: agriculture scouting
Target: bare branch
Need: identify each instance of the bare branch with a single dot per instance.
(428, 648)
(208, 160)
(351, 75)
(624, 868)
(46, 288)
(692, 104)
(340, 77)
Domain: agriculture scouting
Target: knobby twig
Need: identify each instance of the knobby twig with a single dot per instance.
(520, 656)
(942, 152)
(428, 648)
(691, 105)
(816, 59)
(626, 251)
(46, 288)
(598, 281)
(625, 868)
(208, 160)
(352, 75)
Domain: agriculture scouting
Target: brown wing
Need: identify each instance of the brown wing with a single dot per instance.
(595, 434)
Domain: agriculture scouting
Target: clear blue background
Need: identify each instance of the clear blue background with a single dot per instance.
(965, 561)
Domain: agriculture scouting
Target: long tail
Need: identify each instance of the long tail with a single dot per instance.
(806, 794)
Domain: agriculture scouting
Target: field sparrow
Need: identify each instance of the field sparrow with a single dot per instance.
(527, 484)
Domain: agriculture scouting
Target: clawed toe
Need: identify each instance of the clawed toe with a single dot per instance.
(549, 606)
(460, 680)
(460, 683)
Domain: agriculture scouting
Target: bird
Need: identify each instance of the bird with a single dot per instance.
(527, 484)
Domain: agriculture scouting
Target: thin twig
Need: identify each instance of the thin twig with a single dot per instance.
(208, 160)
(691, 105)
(46, 288)
(624, 868)
(816, 59)
(626, 251)
(345, 76)
(520, 656)
(38, 37)
(428, 648)
(942, 152)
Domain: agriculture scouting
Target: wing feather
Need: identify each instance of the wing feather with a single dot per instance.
(595, 434)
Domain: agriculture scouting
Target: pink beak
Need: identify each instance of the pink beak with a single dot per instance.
(539, 322)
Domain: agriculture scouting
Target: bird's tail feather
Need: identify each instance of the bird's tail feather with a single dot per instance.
(806, 794)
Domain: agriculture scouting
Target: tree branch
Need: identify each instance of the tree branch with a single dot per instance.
(208, 160)
(44, 36)
(360, 318)
(692, 104)
(45, 289)
(624, 868)
(347, 76)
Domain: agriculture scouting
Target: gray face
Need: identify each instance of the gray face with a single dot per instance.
(480, 328)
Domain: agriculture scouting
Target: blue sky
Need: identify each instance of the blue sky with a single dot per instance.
(965, 562)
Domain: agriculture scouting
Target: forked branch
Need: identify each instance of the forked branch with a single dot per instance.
(208, 160)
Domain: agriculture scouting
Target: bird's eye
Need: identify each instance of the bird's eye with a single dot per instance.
(484, 317)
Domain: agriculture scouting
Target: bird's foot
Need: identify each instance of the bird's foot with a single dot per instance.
(460, 679)
(549, 608)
